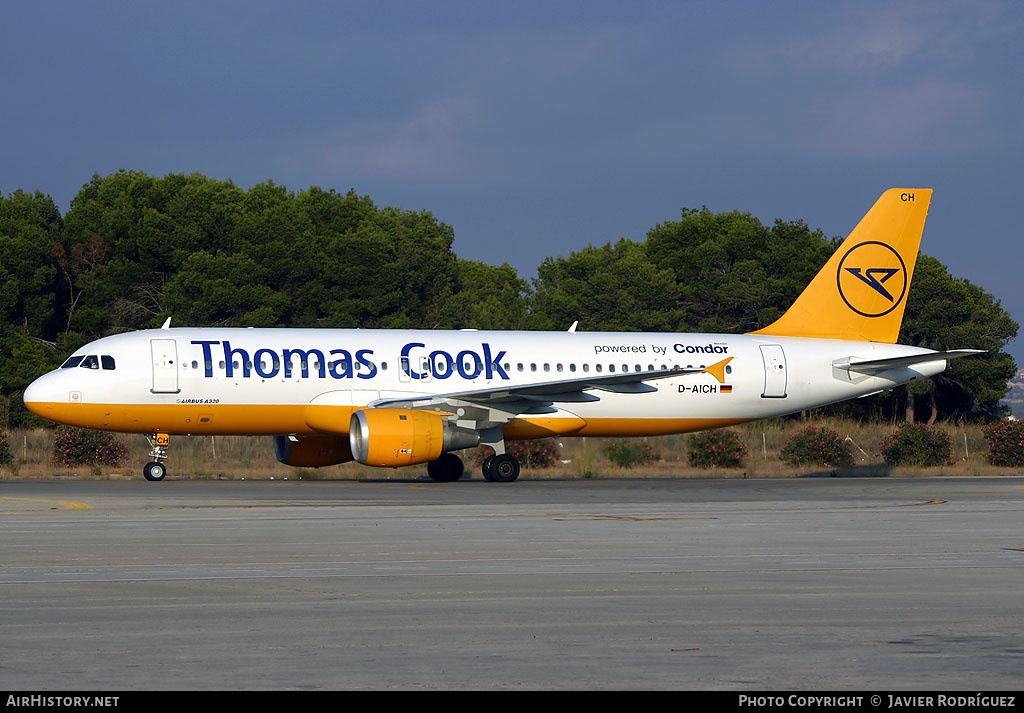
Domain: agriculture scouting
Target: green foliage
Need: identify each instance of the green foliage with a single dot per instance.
(483, 297)
(1006, 443)
(628, 453)
(733, 273)
(613, 288)
(134, 249)
(6, 457)
(718, 448)
(539, 453)
(916, 444)
(945, 312)
(817, 445)
(83, 446)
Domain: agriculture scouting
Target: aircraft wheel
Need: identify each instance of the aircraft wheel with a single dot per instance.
(154, 471)
(486, 467)
(504, 469)
(446, 469)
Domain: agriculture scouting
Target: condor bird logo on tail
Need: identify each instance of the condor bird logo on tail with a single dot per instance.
(874, 283)
(879, 282)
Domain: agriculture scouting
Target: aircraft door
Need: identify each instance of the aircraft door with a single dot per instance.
(165, 366)
(774, 371)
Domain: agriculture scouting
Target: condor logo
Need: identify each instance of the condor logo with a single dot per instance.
(872, 279)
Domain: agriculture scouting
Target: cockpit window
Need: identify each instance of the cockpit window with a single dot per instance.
(72, 362)
(90, 362)
(107, 362)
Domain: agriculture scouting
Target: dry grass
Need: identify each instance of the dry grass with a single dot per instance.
(236, 457)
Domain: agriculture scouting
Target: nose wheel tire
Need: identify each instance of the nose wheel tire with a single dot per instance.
(154, 471)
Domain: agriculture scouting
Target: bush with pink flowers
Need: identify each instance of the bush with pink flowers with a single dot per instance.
(916, 444)
(817, 446)
(84, 446)
(1006, 443)
(540, 453)
(718, 448)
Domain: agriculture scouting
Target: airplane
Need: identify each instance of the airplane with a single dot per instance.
(391, 398)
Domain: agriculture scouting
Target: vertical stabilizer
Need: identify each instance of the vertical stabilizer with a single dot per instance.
(861, 292)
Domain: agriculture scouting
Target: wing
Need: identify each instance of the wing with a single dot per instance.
(498, 404)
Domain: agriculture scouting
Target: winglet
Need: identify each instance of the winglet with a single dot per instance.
(718, 370)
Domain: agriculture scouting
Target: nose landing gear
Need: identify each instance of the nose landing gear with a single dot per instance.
(156, 470)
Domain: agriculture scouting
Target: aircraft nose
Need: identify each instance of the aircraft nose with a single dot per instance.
(38, 393)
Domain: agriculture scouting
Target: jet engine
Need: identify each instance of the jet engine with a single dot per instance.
(393, 437)
(312, 451)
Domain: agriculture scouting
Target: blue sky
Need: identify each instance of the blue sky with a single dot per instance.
(536, 128)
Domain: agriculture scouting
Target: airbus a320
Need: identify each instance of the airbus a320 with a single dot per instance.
(391, 398)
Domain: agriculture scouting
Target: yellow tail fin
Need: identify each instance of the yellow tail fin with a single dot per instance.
(862, 290)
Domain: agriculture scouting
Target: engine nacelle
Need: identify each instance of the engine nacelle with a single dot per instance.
(393, 437)
(312, 451)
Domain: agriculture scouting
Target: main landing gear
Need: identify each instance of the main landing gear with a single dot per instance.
(446, 469)
(156, 470)
(503, 468)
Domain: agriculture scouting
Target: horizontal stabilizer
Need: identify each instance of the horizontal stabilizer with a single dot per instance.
(874, 366)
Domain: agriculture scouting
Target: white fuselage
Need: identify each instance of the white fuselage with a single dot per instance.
(263, 381)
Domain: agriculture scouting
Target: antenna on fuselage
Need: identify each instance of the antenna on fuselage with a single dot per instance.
(167, 324)
(572, 329)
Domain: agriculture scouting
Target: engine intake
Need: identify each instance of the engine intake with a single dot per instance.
(394, 437)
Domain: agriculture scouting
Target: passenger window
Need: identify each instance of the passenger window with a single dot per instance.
(572, 367)
(586, 367)
(598, 368)
(611, 367)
